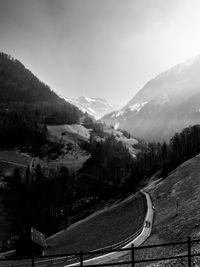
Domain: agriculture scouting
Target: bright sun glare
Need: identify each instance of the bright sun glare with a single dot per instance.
(184, 32)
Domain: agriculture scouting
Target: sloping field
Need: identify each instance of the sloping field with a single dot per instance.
(177, 201)
(11, 159)
(73, 135)
(177, 214)
(73, 161)
(110, 226)
(14, 156)
(69, 133)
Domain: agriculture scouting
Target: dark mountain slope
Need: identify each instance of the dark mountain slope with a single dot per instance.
(20, 87)
(27, 105)
(19, 84)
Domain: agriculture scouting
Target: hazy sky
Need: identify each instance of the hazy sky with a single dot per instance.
(105, 48)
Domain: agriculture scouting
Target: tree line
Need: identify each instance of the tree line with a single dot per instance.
(167, 156)
(42, 202)
(21, 128)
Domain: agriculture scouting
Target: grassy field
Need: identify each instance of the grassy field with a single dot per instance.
(14, 156)
(109, 227)
(68, 133)
(73, 135)
(72, 162)
(177, 215)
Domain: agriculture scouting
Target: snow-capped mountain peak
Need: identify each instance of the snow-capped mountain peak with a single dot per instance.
(94, 106)
(84, 99)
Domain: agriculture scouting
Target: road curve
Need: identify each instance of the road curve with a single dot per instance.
(141, 238)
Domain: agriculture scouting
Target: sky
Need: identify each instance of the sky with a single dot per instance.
(104, 48)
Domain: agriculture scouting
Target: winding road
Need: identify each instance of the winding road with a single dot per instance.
(137, 241)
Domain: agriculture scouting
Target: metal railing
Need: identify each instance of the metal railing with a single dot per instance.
(81, 259)
(57, 260)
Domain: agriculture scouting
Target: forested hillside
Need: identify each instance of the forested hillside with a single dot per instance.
(27, 104)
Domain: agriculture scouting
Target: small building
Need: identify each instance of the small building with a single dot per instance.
(31, 242)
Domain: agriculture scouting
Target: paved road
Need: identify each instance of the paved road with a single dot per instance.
(146, 232)
(141, 238)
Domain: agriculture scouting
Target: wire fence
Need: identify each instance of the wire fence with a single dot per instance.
(185, 254)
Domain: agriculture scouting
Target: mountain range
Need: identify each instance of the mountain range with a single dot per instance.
(95, 106)
(165, 105)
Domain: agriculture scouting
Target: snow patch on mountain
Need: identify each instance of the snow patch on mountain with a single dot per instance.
(119, 113)
(137, 107)
(91, 110)
(85, 99)
(116, 126)
(95, 106)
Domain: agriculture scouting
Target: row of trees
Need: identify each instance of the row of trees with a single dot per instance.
(42, 203)
(21, 128)
(167, 156)
(109, 166)
(97, 127)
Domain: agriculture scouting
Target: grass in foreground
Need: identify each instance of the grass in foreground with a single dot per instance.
(111, 226)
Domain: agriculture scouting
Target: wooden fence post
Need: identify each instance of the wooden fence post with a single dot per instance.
(81, 258)
(132, 255)
(189, 252)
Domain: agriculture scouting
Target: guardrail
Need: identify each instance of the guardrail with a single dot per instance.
(75, 258)
(105, 250)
